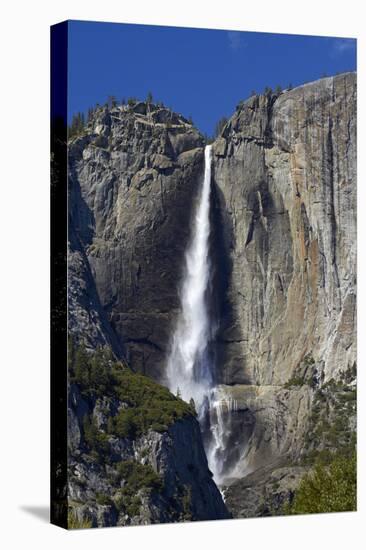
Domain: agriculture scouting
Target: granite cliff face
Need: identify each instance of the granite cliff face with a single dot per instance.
(285, 171)
(137, 169)
(283, 243)
(117, 478)
(285, 180)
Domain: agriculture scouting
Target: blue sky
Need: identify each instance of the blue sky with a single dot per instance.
(197, 72)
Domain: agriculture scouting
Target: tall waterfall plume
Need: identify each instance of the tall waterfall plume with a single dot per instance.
(190, 368)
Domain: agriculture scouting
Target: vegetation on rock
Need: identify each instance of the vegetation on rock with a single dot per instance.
(305, 374)
(330, 443)
(117, 404)
(136, 478)
(331, 420)
(328, 488)
(147, 405)
(74, 523)
(77, 125)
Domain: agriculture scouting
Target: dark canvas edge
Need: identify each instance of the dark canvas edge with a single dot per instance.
(58, 296)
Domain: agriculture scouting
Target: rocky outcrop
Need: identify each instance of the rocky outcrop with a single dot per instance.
(267, 422)
(265, 492)
(87, 320)
(158, 476)
(137, 168)
(285, 176)
(291, 428)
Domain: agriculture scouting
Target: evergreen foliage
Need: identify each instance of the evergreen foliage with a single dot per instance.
(134, 478)
(328, 488)
(77, 125)
(147, 404)
(278, 89)
(74, 523)
(103, 500)
(334, 404)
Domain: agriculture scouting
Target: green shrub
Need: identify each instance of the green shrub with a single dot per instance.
(148, 405)
(187, 503)
(309, 360)
(136, 477)
(328, 488)
(103, 500)
(329, 422)
(74, 523)
(96, 440)
(294, 381)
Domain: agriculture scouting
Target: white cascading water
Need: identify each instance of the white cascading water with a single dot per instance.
(190, 368)
(220, 414)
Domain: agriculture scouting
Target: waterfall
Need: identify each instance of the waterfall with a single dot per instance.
(190, 367)
(221, 408)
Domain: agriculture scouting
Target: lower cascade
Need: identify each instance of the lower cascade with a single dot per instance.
(191, 363)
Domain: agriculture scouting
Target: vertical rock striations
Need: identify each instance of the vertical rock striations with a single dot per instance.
(285, 176)
(285, 170)
(137, 168)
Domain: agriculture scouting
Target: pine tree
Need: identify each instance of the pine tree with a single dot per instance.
(112, 101)
(81, 366)
(90, 114)
(77, 125)
(278, 89)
